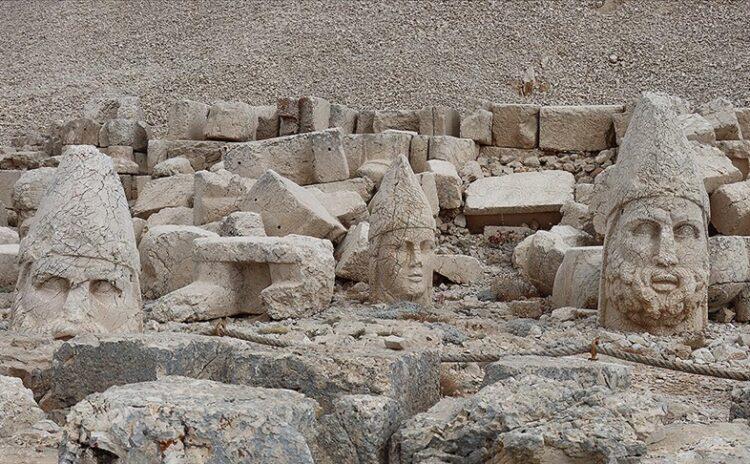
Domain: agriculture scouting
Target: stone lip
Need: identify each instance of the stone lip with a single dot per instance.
(527, 192)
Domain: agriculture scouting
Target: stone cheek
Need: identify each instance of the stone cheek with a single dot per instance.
(401, 266)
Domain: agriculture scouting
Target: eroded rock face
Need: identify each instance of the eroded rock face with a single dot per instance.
(401, 238)
(79, 264)
(653, 209)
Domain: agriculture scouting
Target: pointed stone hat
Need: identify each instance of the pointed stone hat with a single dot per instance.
(400, 203)
(83, 225)
(655, 159)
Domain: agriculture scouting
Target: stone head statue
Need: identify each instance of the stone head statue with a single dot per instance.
(79, 263)
(402, 234)
(653, 210)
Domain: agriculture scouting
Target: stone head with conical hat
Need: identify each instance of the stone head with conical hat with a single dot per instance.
(653, 209)
(79, 261)
(402, 234)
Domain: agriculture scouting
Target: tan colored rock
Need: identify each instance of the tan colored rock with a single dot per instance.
(78, 262)
(428, 181)
(402, 120)
(738, 152)
(477, 126)
(287, 209)
(353, 254)
(217, 194)
(314, 114)
(721, 114)
(347, 207)
(361, 186)
(439, 120)
(365, 121)
(103, 109)
(283, 277)
(187, 120)
(583, 193)
(620, 123)
(242, 224)
(287, 109)
(124, 152)
(453, 149)
(730, 208)
(577, 128)
(268, 122)
(179, 216)
(8, 236)
(231, 121)
(360, 148)
(138, 227)
(172, 167)
(28, 192)
(517, 199)
(743, 119)
(515, 126)
(329, 159)
(696, 128)
(577, 279)
(7, 183)
(128, 132)
(343, 117)
(714, 167)
(460, 269)
(167, 258)
(654, 208)
(401, 238)
(202, 154)
(729, 280)
(419, 153)
(165, 192)
(448, 184)
(80, 131)
(8, 266)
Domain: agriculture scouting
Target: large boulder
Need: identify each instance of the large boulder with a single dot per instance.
(515, 126)
(163, 193)
(187, 120)
(730, 208)
(231, 121)
(217, 194)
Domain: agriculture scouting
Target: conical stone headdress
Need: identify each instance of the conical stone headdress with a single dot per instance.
(400, 203)
(83, 221)
(654, 159)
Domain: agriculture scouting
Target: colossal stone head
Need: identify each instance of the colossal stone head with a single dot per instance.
(79, 263)
(652, 208)
(402, 234)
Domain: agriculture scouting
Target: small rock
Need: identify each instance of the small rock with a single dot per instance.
(703, 356)
(394, 342)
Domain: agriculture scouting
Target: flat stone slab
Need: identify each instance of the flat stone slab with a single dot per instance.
(89, 364)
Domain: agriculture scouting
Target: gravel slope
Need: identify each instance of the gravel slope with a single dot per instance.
(395, 54)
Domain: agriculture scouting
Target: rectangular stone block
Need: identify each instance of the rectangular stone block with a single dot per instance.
(577, 128)
(439, 120)
(743, 119)
(453, 149)
(515, 126)
(217, 195)
(360, 148)
(419, 153)
(187, 120)
(231, 121)
(365, 120)
(363, 187)
(288, 111)
(344, 118)
(405, 120)
(8, 267)
(268, 122)
(314, 114)
(7, 181)
(477, 126)
(329, 159)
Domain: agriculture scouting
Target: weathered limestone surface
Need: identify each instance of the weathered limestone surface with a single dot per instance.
(730, 208)
(738, 152)
(447, 182)
(515, 126)
(719, 442)
(164, 192)
(428, 181)
(128, 132)
(714, 167)
(122, 107)
(8, 179)
(287, 208)
(453, 149)
(8, 236)
(187, 120)
(722, 116)
(282, 277)
(231, 121)
(217, 194)
(268, 122)
(242, 224)
(8, 266)
(477, 126)
(360, 148)
(360, 185)
(460, 269)
(729, 280)
(347, 207)
(344, 118)
(584, 128)
(577, 279)
(287, 109)
(85, 365)
(177, 419)
(439, 120)
(167, 258)
(28, 192)
(743, 119)
(582, 371)
(202, 154)
(403, 120)
(519, 198)
(179, 216)
(653, 208)
(80, 131)
(172, 167)
(78, 263)
(696, 128)
(314, 114)
(353, 254)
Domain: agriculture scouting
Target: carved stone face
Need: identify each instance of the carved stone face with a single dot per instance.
(55, 297)
(403, 266)
(656, 267)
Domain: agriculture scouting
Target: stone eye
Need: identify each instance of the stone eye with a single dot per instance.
(646, 229)
(53, 284)
(103, 287)
(685, 231)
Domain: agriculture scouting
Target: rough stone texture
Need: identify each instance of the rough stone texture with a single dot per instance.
(696, 128)
(477, 126)
(329, 159)
(8, 266)
(448, 183)
(288, 111)
(353, 254)
(374, 171)
(268, 122)
(179, 216)
(460, 269)
(282, 277)
(176, 419)
(347, 207)
(738, 152)
(128, 132)
(516, 199)
(515, 126)
(652, 207)
(730, 208)
(729, 280)
(453, 149)
(7, 182)
(167, 258)
(343, 117)
(80, 131)
(172, 167)
(102, 110)
(740, 408)
(360, 148)
(428, 181)
(402, 120)
(363, 187)
(78, 262)
(8, 236)
(231, 121)
(242, 224)
(187, 120)
(714, 167)
(584, 128)
(217, 194)
(720, 442)
(419, 152)
(162, 193)
(401, 238)
(287, 208)
(202, 154)
(314, 113)
(527, 419)
(90, 364)
(577, 279)
(743, 119)
(721, 114)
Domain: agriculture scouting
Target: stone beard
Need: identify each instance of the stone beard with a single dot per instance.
(656, 267)
(401, 265)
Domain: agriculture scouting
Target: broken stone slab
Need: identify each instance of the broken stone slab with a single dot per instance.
(288, 110)
(187, 120)
(8, 236)
(163, 193)
(26, 160)
(515, 126)
(282, 277)
(347, 207)
(305, 159)
(576, 281)
(714, 167)
(579, 216)
(103, 109)
(352, 254)
(314, 114)
(8, 266)
(81, 131)
(740, 408)
(419, 152)
(360, 148)
(365, 120)
(217, 194)
(477, 126)
(128, 132)
(29, 358)
(402, 120)
(428, 181)
(373, 171)
(344, 118)
(692, 443)
(202, 154)
(89, 364)
(730, 208)
(231, 121)
(268, 122)
(577, 128)
(177, 418)
(738, 152)
(517, 199)
(360, 185)
(722, 116)
(287, 208)
(620, 122)
(167, 258)
(729, 278)
(460, 269)
(242, 224)
(448, 183)
(27, 194)
(453, 149)
(696, 128)
(584, 372)
(119, 152)
(743, 119)
(179, 216)
(7, 182)
(172, 167)
(439, 120)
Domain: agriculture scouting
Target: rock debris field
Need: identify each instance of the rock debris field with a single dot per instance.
(375, 233)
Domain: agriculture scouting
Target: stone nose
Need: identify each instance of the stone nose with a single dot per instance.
(666, 254)
(76, 303)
